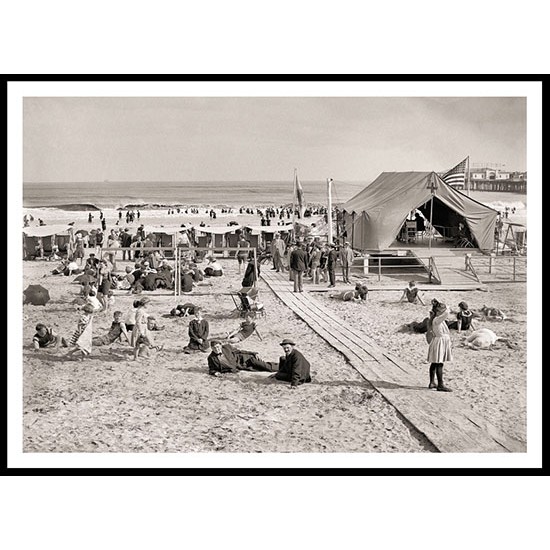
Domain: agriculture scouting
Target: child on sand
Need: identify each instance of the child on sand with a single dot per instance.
(81, 340)
(246, 328)
(45, 337)
(412, 293)
(198, 334)
(141, 335)
(439, 349)
(116, 332)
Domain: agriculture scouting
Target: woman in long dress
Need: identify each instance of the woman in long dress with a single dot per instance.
(81, 340)
(440, 349)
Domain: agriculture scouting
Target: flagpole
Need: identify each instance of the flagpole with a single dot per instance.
(294, 204)
(468, 181)
(329, 207)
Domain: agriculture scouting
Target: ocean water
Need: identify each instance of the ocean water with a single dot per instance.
(106, 195)
(70, 202)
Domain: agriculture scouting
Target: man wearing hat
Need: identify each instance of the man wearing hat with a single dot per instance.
(346, 257)
(293, 366)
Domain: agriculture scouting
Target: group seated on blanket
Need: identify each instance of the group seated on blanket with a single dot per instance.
(144, 277)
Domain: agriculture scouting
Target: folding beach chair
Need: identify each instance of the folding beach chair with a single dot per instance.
(247, 302)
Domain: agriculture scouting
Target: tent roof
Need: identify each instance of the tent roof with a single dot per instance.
(385, 203)
(159, 229)
(46, 230)
(269, 228)
(217, 230)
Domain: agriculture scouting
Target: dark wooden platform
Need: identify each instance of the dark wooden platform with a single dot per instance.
(443, 418)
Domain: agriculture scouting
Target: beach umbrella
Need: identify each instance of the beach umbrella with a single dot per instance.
(36, 295)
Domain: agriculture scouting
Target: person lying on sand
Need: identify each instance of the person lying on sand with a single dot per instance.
(226, 358)
(359, 294)
(492, 313)
(485, 338)
(183, 310)
(45, 337)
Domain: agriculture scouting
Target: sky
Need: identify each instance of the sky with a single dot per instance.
(265, 138)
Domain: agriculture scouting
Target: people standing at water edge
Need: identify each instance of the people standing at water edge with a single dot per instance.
(298, 266)
(440, 348)
(346, 258)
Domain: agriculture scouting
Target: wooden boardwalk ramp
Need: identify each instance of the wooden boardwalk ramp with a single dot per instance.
(443, 418)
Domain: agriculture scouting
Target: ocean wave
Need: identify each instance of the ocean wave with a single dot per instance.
(73, 207)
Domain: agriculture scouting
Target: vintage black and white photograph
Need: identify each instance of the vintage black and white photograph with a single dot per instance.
(232, 271)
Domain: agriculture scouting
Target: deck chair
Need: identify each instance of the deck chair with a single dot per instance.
(247, 302)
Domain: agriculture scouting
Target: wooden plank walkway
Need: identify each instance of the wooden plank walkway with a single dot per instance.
(443, 418)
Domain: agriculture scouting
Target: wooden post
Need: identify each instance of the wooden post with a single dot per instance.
(431, 225)
(379, 268)
(255, 268)
(514, 267)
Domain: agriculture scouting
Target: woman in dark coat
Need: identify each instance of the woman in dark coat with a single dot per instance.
(198, 334)
(251, 274)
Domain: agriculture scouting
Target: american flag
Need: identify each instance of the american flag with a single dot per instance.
(456, 175)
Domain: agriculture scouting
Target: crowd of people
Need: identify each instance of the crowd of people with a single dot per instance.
(93, 256)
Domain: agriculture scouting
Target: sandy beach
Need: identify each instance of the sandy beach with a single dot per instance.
(169, 403)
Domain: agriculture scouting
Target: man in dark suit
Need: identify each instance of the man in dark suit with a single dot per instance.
(298, 264)
(332, 258)
(293, 366)
(226, 358)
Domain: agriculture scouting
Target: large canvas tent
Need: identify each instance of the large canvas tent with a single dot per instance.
(374, 217)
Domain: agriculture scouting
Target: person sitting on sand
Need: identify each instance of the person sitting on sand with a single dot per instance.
(214, 268)
(186, 278)
(412, 293)
(246, 328)
(45, 337)
(226, 358)
(362, 291)
(464, 319)
(116, 332)
(293, 366)
(93, 300)
(198, 333)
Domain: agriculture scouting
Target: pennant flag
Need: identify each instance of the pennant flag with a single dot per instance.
(456, 175)
(299, 195)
